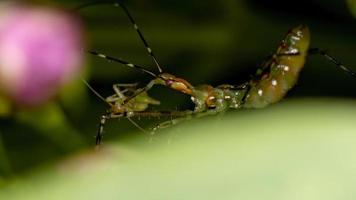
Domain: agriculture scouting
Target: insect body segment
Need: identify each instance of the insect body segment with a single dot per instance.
(217, 99)
(282, 70)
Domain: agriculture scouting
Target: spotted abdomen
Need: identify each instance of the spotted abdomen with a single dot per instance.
(281, 72)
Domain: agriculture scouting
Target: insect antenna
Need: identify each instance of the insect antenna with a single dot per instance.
(94, 91)
(148, 48)
(88, 4)
(332, 59)
(120, 4)
(128, 64)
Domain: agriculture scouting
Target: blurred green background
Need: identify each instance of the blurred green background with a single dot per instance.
(212, 42)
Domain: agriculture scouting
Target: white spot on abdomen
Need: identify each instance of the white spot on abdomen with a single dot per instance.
(274, 82)
(286, 68)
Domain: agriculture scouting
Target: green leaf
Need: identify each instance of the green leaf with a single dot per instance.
(299, 150)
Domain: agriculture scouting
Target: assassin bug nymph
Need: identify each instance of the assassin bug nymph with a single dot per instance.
(275, 77)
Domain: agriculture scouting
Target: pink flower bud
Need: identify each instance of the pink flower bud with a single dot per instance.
(40, 51)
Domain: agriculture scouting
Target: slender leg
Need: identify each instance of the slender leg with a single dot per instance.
(120, 93)
(144, 89)
(135, 124)
(169, 123)
(127, 87)
(331, 59)
(113, 98)
(189, 115)
(103, 120)
(108, 115)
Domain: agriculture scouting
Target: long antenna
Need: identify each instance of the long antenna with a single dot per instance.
(149, 50)
(118, 60)
(94, 91)
(92, 3)
(332, 59)
(120, 4)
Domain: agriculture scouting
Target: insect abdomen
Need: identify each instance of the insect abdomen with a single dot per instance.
(282, 70)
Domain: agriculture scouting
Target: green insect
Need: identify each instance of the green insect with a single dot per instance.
(275, 77)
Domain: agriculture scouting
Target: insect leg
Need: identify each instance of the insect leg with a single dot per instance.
(168, 123)
(184, 115)
(187, 116)
(144, 89)
(126, 63)
(118, 96)
(135, 124)
(127, 87)
(109, 115)
(332, 59)
(103, 120)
